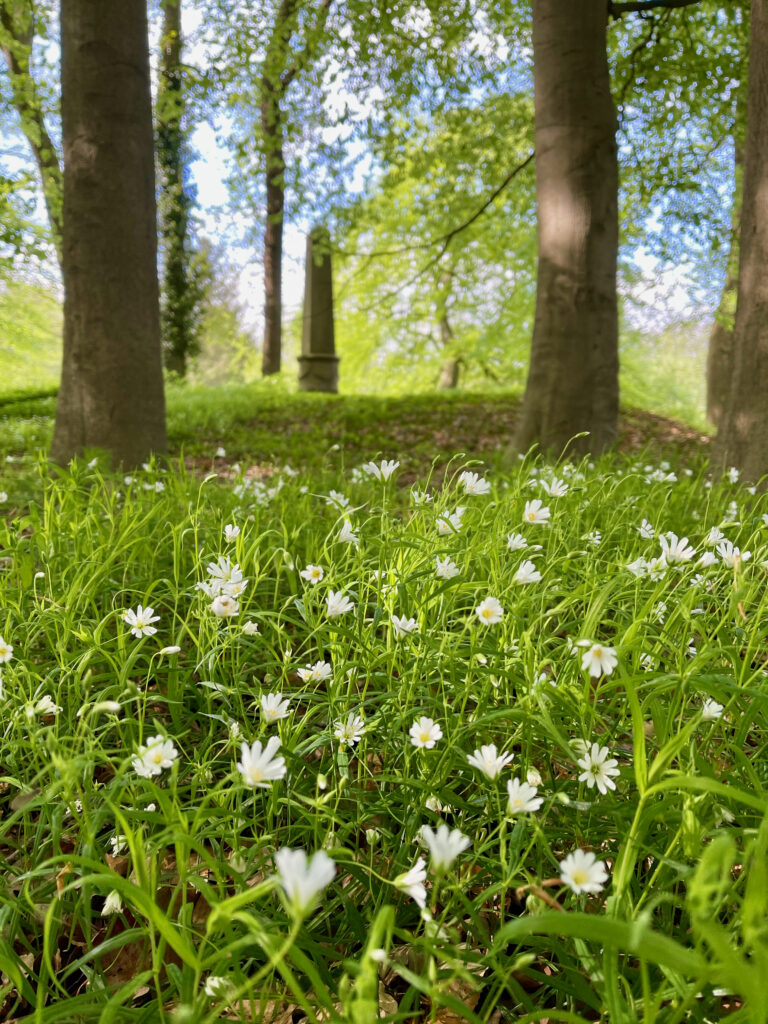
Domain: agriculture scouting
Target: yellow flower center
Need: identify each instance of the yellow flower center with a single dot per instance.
(424, 737)
(579, 876)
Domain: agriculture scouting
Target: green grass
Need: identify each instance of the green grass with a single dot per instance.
(30, 340)
(187, 856)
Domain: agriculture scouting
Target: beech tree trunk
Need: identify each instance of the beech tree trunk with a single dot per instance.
(18, 25)
(181, 295)
(111, 394)
(451, 368)
(573, 377)
(720, 350)
(273, 235)
(743, 437)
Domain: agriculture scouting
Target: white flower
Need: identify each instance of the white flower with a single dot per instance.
(303, 879)
(582, 872)
(598, 768)
(221, 453)
(118, 842)
(155, 755)
(348, 732)
(711, 710)
(250, 628)
(473, 483)
(555, 488)
(599, 659)
(337, 499)
(273, 707)
(46, 706)
(312, 574)
(533, 777)
(6, 652)
(714, 537)
(516, 541)
(594, 537)
(3, 497)
(645, 530)
(421, 497)
(382, 471)
(225, 606)
(113, 904)
(488, 761)
(447, 524)
(231, 532)
(730, 555)
(259, 766)
(639, 567)
(675, 549)
(173, 649)
(425, 732)
(489, 611)
(445, 569)
(337, 604)
(444, 845)
(402, 626)
(346, 534)
(536, 512)
(657, 568)
(215, 986)
(141, 621)
(521, 798)
(733, 475)
(316, 673)
(527, 573)
(412, 882)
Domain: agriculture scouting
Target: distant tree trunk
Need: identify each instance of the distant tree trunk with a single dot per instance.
(573, 377)
(111, 393)
(720, 351)
(272, 129)
(449, 374)
(743, 437)
(182, 293)
(18, 27)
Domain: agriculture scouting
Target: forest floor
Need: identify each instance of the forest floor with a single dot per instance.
(266, 428)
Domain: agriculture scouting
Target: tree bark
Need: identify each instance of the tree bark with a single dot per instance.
(573, 377)
(272, 130)
(111, 394)
(720, 350)
(180, 295)
(451, 368)
(17, 24)
(743, 437)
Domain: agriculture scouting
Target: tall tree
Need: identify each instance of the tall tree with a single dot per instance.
(17, 32)
(181, 293)
(573, 377)
(742, 440)
(111, 393)
(282, 63)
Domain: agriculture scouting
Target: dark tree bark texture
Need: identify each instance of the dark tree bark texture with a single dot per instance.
(272, 130)
(743, 437)
(111, 393)
(573, 377)
(181, 293)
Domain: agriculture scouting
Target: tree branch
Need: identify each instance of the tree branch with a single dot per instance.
(619, 9)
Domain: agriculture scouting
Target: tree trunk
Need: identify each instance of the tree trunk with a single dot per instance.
(17, 24)
(111, 393)
(451, 368)
(179, 297)
(573, 377)
(743, 437)
(273, 236)
(720, 351)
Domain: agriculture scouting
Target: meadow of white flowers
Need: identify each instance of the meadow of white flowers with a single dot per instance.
(333, 748)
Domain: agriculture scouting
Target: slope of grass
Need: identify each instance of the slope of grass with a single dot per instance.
(30, 339)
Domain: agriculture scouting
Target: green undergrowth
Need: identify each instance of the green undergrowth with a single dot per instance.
(383, 635)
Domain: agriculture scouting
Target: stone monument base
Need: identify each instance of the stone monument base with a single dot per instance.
(319, 373)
